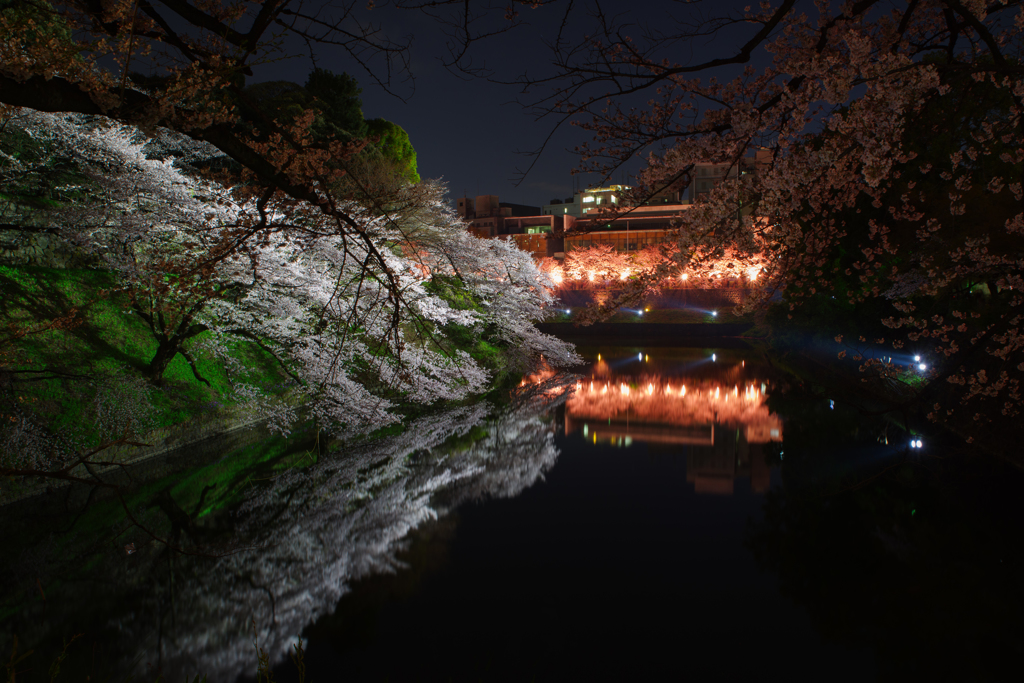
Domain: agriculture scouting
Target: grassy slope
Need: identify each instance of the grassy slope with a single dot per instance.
(111, 343)
(107, 342)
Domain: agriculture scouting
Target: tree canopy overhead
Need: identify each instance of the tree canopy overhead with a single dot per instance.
(889, 140)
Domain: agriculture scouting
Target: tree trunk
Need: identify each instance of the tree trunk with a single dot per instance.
(165, 353)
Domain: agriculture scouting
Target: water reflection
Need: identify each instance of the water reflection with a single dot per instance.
(295, 544)
(709, 401)
(319, 529)
(908, 575)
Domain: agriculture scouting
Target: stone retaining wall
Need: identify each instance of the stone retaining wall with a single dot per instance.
(668, 298)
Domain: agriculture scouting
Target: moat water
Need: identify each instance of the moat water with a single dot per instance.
(661, 512)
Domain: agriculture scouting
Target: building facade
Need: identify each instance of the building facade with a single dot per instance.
(609, 219)
(603, 215)
(582, 202)
(533, 231)
(595, 216)
(486, 215)
(707, 177)
(570, 206)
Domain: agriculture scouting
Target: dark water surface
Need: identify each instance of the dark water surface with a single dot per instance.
(664, 543)
(612, 566)
(665, 513)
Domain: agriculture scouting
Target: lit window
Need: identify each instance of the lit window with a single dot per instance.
(588, 199)
(614, 199)
(565, 210)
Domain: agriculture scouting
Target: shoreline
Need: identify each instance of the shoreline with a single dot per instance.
(651, 334)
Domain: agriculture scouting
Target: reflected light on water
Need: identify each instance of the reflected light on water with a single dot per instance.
(723, 428)
(703, 403)
(716, 417)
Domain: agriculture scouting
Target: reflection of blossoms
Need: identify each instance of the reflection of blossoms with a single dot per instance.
(674, 401)
(316, 530)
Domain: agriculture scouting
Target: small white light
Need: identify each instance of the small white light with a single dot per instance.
(639, 312)
(714, 357)
(920, 443)
(917, 359)
(922, 366)
(567, 311)
(714, 314)
(639, 356)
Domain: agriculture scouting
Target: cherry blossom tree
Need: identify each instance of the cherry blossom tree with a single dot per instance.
(596, 265)
(298, 203)
(356, 335)
(888, 141)
(145, 220)
(514, 293)
(88, 58)
(654, 267)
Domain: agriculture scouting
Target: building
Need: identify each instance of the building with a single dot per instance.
(607, 218)
(708, 176)
(578, 205)
(486, 215)
(571, 206)
(534, 232)
(602, 215)
(605, 215)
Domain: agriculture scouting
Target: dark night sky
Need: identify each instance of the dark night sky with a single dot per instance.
(471, 132)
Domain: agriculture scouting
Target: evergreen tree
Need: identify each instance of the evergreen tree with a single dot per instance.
(394, 145)
(339, 103)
